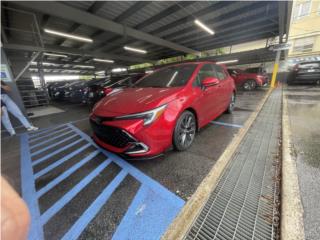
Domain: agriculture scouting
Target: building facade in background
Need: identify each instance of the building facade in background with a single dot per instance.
(304, 34)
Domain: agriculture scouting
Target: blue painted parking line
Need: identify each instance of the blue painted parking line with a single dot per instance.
(64, 175)
(151, 211)
(227, 124)
(46, 157)
(52, 145)
(49, 140)
(46, 134)
(45, 130)
(72, 193)
(64, 159)
(94, 208)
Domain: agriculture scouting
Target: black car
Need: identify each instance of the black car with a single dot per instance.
(99, 90)
(305, 72)
(52, 87)
(62, 91)
(78, 90)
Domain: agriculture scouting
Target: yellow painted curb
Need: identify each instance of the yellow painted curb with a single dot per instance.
(190, 211)
(292, 227)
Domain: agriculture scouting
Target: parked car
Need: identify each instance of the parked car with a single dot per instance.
(97, 91)
(248, 81)
(162, 109)
(62, 92)
(78, 90)
(52, 88)
(305, 72)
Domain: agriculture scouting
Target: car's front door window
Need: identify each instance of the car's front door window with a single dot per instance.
(204, 72)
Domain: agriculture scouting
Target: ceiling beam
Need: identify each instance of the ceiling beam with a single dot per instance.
(250, 21)
(75, 51)
(168, 11)
(214, 8)
(69, 13)
(94, 8)
(239, 15)
(130, 11)
(121, 18)
(242, 30)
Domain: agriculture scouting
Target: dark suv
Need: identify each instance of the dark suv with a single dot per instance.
(306, 72)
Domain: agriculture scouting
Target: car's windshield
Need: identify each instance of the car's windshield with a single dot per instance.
(175, 76)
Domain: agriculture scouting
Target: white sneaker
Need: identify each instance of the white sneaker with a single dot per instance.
(32, 128)
(12, 134)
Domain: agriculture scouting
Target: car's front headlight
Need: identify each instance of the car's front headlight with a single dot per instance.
(148, 116)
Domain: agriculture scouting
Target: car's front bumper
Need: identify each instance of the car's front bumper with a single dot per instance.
(132, 139)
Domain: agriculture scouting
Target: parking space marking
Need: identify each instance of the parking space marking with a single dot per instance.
(50, 139)
(150, 212)
(72, 193)
(52, 145)
(94, 208)
(226, 124)
(46, 157)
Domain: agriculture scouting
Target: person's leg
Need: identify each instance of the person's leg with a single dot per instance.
(15, 111)
(6, 121)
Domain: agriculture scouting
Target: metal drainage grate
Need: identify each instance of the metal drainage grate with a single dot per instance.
(242, 204)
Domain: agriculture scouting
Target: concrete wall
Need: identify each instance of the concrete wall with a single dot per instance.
(305, 26)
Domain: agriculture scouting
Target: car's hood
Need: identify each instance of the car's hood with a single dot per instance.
(134, 100)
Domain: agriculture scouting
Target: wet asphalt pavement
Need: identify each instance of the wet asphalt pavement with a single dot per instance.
(304, 116)
(179, 172)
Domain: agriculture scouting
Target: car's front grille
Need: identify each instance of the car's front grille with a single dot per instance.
(111, 135)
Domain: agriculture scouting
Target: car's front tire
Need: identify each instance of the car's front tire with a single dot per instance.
(184, 131)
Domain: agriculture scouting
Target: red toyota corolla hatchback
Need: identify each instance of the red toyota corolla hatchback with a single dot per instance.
(163, 109)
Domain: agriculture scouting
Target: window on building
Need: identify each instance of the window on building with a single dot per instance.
(303, 44)
(302, 9)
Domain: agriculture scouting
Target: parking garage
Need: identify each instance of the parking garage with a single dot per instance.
(79, 71)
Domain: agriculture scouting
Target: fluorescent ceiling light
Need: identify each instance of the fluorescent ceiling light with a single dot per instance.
(203, 26)
(119, 70)
(100, 72)
(84, 66)
(55, 55)
(103, 60)
(67, 35)
(50, 78)
(228, 61)
(135, 49)
(45, 64)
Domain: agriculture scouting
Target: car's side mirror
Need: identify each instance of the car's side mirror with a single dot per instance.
(210, 81)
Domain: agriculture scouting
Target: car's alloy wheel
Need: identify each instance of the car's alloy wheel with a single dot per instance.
(249, 85)
(185, 131)
(232, 103)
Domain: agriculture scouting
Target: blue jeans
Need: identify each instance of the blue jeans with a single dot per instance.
(10, 106)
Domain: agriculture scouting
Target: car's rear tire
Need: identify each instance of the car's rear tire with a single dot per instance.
(184, 131)
(249, 85)
(231, 104)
